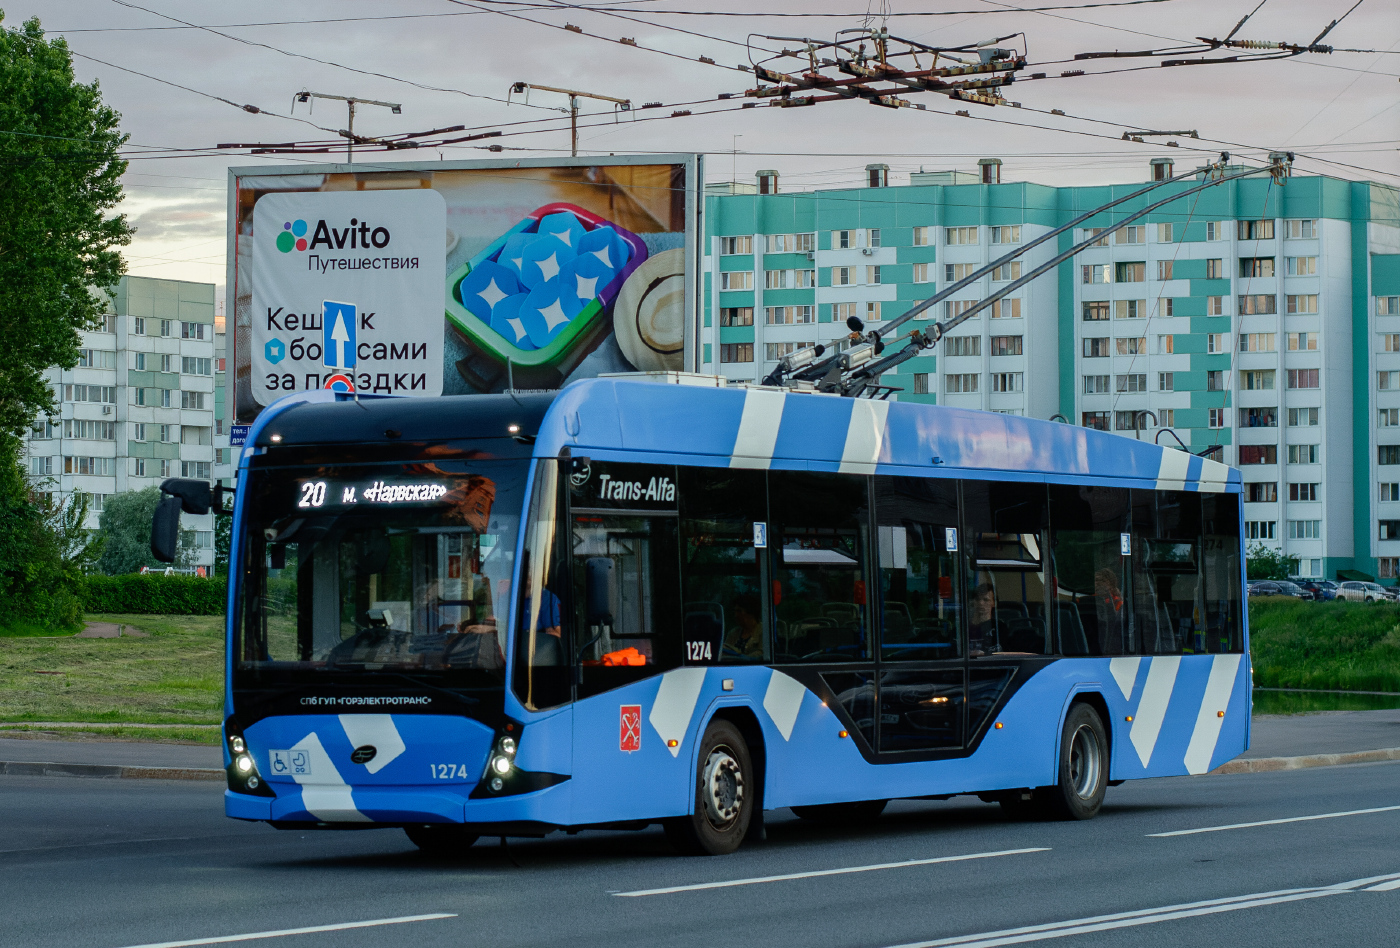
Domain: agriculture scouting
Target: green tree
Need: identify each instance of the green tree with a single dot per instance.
(125, 527)
(43, 551)
(60, 174)
(1262, 562)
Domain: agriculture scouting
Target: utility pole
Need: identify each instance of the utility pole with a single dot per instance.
(350, 103)
(574, 95)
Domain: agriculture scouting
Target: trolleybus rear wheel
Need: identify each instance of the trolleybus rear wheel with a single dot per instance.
(1083, 773)
(441, 839)
(723, 796)
(862, 811)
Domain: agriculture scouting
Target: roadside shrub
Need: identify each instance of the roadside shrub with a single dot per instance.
(155, 595)
(1349, 646)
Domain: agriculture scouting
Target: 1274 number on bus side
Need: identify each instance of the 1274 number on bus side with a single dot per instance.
(699, 651)
(449, 771)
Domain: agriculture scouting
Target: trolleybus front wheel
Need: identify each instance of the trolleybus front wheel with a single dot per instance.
(1083, 774)
(723, 796)
(441, 839)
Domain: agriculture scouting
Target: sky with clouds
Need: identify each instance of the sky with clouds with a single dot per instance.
(451, 62)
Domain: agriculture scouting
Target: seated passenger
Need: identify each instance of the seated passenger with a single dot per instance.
(982, 637)
(745, 637)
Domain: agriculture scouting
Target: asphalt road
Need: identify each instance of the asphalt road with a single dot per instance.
(116, 863)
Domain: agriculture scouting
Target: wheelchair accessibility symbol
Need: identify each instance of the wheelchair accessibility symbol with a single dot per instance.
(291, 763)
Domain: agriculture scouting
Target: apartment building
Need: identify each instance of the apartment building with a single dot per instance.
(1259, 320)
(140, 405)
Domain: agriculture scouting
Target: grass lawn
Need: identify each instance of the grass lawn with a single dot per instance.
(1350, 646)
(173, 677)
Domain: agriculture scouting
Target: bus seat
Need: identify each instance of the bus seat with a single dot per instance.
(1073, 641)
(1024, 635)
(846, 611)
(899, 623)
(1011, 611)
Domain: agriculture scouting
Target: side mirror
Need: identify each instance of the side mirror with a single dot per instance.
(165, 528)
(599, 590)
(196, 497)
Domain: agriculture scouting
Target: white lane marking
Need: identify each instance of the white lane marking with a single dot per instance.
(865, 433)
(1290, 819)
(310, 930)
(1213, 476)
(324, 794)
(675, 703)
(782, 701)
(758, 430)
(758, 880)
(1152, 706)
(1204, 736)
(1171, 474)
(1166, 913)
(377, 730)
(1124, 671)
(1390, 886)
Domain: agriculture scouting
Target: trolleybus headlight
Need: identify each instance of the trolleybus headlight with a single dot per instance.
(507, 746)
(497, 783)
(253, 782)
(237, 745)
(501, 765)
(244, 763)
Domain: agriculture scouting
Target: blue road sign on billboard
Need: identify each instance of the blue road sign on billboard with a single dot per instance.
(238, 435)
(338, 329)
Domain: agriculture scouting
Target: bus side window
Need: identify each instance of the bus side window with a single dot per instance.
(916, 524)
(1008, 568)
(1220, 522)
(721, 572)
(542, 637)
(1182, 602)
(1092, 609)
(819, 537)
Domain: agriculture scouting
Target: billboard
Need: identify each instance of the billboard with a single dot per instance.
(451, 278)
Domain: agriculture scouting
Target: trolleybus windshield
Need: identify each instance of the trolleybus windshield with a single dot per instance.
(360, 570)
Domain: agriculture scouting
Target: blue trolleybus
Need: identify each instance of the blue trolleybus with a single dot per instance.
(635, 601)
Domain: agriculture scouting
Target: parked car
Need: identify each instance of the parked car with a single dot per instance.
(1321, 589)
(1354, 591)
(1278, 587)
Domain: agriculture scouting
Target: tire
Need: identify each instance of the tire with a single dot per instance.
(441, 839)
(863, 811)
(724, 797)
(1083, 771)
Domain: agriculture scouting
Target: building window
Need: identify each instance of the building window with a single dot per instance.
(1164, 233)
(1305, 529)
(193, 330)
(41, 467)
(97, 359)
(1258, 417)
(843, 239)
(1388, 566)
(1096, 312)
(1302, 378)
(1257, 380)
(736, 280)
(843, 276)
(873, 237)
(963, 346)
(788, 315)
(872, 312)
(921, 273)
(953, 272)
(1302, 417)
(1256, 267)
(1302, 492)
(960, 382)
(1166, 381)
(1008, 381)
(219, 455)
(773, 351)
(1097, 420)
(1300, 266)
(1168, 417)
(1095, 384)
(789, 279)
(736, 316)
(1260, 529)
(1388, 305)
(1167, 306)
(958, 307)
(100, 467)
(1302, 454)
(1258, 454)
(90, 430)
(790, 243)
(921, 379)
(1007, 234)
(1215, 269)
(923, 236)
(1006, 309)
(1215, 342)
(957, 236)
(1006, 345)
(729, 246)
(1388, 381)
(138, 326)
(1303, 342)
(1388, 454)
(1132, 382)
(1257, 342)
(1390, 492)
(1215, 381)
(1132, 345)
(1007, 271)
(1258, 305)
(1164, 269)
(1096, 273)
(1261, 492)
(192, 400)
(872, 275)
(1166, 344)
(1303, 303)
(1129, 272)
(1389, 417)
(138, 467)
(197, 469)
(1255, 230)
(736, 352)
(1130, 309)
(192, 366)
(1130, 420)
(1132, 234)
(204, 539)
(1089, 232)
(1215, 230)
(1390, 341)
(102, 394)
(1299, 229)
(1215, 306)
(1096, 347)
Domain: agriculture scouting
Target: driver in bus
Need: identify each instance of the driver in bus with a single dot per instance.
(982, 637)
(548, 632)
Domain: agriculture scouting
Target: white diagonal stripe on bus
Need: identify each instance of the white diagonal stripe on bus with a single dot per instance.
(783, 700)
(787, 877)
(309, 930)
(324, 793)
(1278, 822)
(1171, 474)
(1152, 706)
(1223, 669)
(1124, 671)
(1213, 476)
(377, 730)
(865, 433)
(1166, 913)
(758, 430)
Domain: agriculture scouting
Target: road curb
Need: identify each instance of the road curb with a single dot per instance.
(1261, 765)
(25, 768)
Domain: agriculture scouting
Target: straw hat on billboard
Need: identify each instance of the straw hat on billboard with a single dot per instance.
(649, 314)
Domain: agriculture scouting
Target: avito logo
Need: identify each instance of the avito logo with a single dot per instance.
(358, 236)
